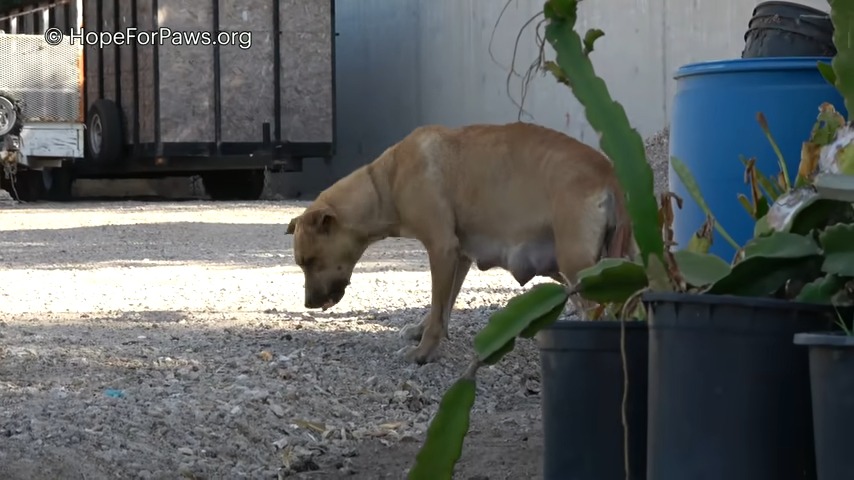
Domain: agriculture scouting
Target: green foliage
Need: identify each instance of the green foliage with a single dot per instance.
(827, 72)
(838, 245)
(620, 142)
(445, 435)
(842, 17)
(822, 290)
(613, 280)
(769, 262)
(803, 247)
(523, 316)
(694, 190)
(700, 269)
(785, 179)
(540, 306)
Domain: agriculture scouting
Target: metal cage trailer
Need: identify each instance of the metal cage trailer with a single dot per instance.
(223, 89)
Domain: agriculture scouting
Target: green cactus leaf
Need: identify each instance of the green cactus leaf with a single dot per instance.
(590, 38)
(782, 245)
(826, 71)
(769, 262)
(821, 290)
(693, 188)
(446, 433)
(612, 280)
(620, 142)
(845, 159)
(838, 244)
(549, 318)
(842, 17)
(700, 269)
(762, 276)
(533, 306)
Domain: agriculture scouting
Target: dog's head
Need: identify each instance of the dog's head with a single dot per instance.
(326, 251)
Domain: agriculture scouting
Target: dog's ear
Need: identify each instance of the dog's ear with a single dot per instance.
(320, 220)
(292, 226)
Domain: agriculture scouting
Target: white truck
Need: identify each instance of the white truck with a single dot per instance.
(42, 121)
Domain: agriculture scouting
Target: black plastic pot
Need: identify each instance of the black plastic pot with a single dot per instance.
(831, 358)
(582, 396)
(787, 29)
(728, 390)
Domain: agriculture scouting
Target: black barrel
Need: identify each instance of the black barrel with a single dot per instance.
(787, 29)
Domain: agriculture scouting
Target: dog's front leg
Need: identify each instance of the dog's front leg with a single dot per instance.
(444, 264)
(414, 331)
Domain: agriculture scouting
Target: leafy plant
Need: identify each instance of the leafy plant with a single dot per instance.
(526, 314)
(803, 248)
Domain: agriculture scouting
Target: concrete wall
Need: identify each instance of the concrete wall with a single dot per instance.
(403, 63)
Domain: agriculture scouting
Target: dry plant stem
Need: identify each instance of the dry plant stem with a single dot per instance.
(471, 371)
(492, 36)
(532, 68)
(625, 396)
(626, 308)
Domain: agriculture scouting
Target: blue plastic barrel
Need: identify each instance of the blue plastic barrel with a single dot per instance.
(713, 122)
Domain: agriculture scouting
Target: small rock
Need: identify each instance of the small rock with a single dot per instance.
(185, 451)
(277, 410)
(400, 395)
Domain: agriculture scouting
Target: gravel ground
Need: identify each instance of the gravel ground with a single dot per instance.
(168, 340)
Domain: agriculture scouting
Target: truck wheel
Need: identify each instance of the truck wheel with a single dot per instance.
(104, 135)
(234, 184)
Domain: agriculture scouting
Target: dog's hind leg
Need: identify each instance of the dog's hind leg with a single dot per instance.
(414, 331)
(579, 233)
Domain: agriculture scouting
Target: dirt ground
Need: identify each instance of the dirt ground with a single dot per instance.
(162, 340)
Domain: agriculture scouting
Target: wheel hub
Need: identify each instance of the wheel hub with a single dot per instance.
(96, 131)
(8, 116)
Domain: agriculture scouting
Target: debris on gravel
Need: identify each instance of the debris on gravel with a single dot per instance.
(6, 199)
(169, 339)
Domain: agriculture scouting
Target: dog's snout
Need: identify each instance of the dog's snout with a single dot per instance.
(314, 299)
(327, 296)
(337, 288)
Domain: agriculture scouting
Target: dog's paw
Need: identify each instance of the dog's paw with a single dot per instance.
(412, 332)
(413, 354)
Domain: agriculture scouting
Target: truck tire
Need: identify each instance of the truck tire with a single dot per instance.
(234, 184)
(104, 134)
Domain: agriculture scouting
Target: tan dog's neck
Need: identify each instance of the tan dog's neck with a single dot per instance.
(367, 208)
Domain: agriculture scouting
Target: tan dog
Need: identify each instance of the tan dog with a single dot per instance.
(521, 197)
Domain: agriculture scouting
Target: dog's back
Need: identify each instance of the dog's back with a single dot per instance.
(525, 198)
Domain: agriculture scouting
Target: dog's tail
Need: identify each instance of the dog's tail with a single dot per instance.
(618, 241)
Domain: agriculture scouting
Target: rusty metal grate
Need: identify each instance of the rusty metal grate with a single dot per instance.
(43, 76)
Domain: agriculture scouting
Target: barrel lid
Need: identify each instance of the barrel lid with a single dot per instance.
(750, 65)
(807, 9)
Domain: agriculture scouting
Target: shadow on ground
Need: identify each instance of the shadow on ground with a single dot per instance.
(168, 394)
